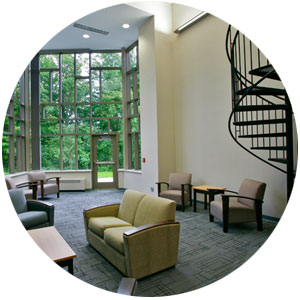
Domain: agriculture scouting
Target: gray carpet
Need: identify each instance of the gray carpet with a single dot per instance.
(206, 254)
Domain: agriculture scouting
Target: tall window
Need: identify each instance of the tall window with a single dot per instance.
(13, 140)
(133, 107)
(80, 95)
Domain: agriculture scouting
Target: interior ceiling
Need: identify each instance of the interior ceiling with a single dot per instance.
(108, 19)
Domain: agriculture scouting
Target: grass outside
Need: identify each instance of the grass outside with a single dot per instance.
(106, 174)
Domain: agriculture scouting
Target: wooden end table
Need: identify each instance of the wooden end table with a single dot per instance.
(207, 190)
(53, 244)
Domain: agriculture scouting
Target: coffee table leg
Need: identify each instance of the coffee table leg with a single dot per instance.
(70, 267)
(205, 201)
(195, 196)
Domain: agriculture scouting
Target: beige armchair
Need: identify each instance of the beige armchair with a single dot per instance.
(179, 188)
(139, 236)
(246, 208)
(29, 188)
(44, 186)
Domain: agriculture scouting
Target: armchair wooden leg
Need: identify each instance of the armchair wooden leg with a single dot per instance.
(259, 216)
(57, 194)
(225, 207)
(225, 226)
(211, 218)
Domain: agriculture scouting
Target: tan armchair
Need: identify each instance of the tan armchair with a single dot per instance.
(139, 236)
(246, 208)
(179, 188)
(29, 188)
(44, 186)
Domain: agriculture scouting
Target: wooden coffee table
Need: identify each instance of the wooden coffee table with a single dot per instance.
(204, 189)
(53, 244)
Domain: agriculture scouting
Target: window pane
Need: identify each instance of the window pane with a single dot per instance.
(132, 152)
(68, 152)
(55, 87)
(50, 127)
(107, 110)
(111, 83)
(83, 126)
(83, 111)
(133, 57)
(106, 60)
(115, 125)
(49, 61)
(121, 155)
(134, 124)
(105, 173)
(50, 148)
(83, 90)
(6, 124)
(44, 87)
(5, 153)
(95, 86)
(68, 111)
(104, 150)
(68, 78)
(82, 64)
(68, 126)
(84, 155)
(17, 126)
(100, 126)
(51, 112)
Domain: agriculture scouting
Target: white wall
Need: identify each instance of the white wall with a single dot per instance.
(202, 107)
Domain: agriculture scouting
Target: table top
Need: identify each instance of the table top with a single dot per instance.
(205, 188)
(52, 243)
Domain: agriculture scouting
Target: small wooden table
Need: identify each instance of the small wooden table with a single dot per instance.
(53, 244)
(204, 189)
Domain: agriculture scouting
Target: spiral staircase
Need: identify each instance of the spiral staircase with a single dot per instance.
(261, 121)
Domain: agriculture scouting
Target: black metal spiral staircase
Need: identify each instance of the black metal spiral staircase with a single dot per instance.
(261, 121)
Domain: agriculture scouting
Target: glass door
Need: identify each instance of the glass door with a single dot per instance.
(105, 158)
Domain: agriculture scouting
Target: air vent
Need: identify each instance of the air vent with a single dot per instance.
(77, 25)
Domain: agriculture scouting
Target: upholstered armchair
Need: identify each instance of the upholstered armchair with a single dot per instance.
(32, 213)
(247, 206)
(44, 186)
(29, 188)
(179, 188)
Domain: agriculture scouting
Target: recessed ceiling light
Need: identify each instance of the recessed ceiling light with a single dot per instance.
(86, 36)
(125, 26)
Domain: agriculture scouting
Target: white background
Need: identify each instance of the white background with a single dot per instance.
(273, 272)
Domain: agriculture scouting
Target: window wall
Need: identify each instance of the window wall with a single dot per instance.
(13, 139)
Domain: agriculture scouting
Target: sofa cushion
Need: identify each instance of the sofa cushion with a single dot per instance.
(33, 218)
(129, 204)
(99, 224)
(154, 210)
(114, 237)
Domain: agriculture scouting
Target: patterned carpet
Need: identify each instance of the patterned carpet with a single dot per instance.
(206, 254)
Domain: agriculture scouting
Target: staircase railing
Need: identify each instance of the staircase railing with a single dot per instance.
(261, 117)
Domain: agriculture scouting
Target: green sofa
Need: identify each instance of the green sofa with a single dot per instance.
(139, 236)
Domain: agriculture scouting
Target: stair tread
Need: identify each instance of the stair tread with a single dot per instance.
(270, 148)
(259, 122)
(262, 71)
(260, 107)
(279, 160)
(262, 91)
(263, 135)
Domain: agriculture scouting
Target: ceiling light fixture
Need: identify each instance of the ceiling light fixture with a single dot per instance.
(126, 26)
(191, 22)
(86, 36)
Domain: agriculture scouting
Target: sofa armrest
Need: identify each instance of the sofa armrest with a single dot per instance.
(100, 211)
(151, 248)
(34, 205)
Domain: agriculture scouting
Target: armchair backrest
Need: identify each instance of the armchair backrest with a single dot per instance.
(154, 209)
(10, 184)
(36, 175)
(18, 200)
(177, 179)
(129, 204)
(253, 189)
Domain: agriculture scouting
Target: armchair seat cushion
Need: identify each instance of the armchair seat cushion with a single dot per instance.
(114, 237)
(238, 212)
(49, 188)
(175, 195)
(99, 224)
(33, 218)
